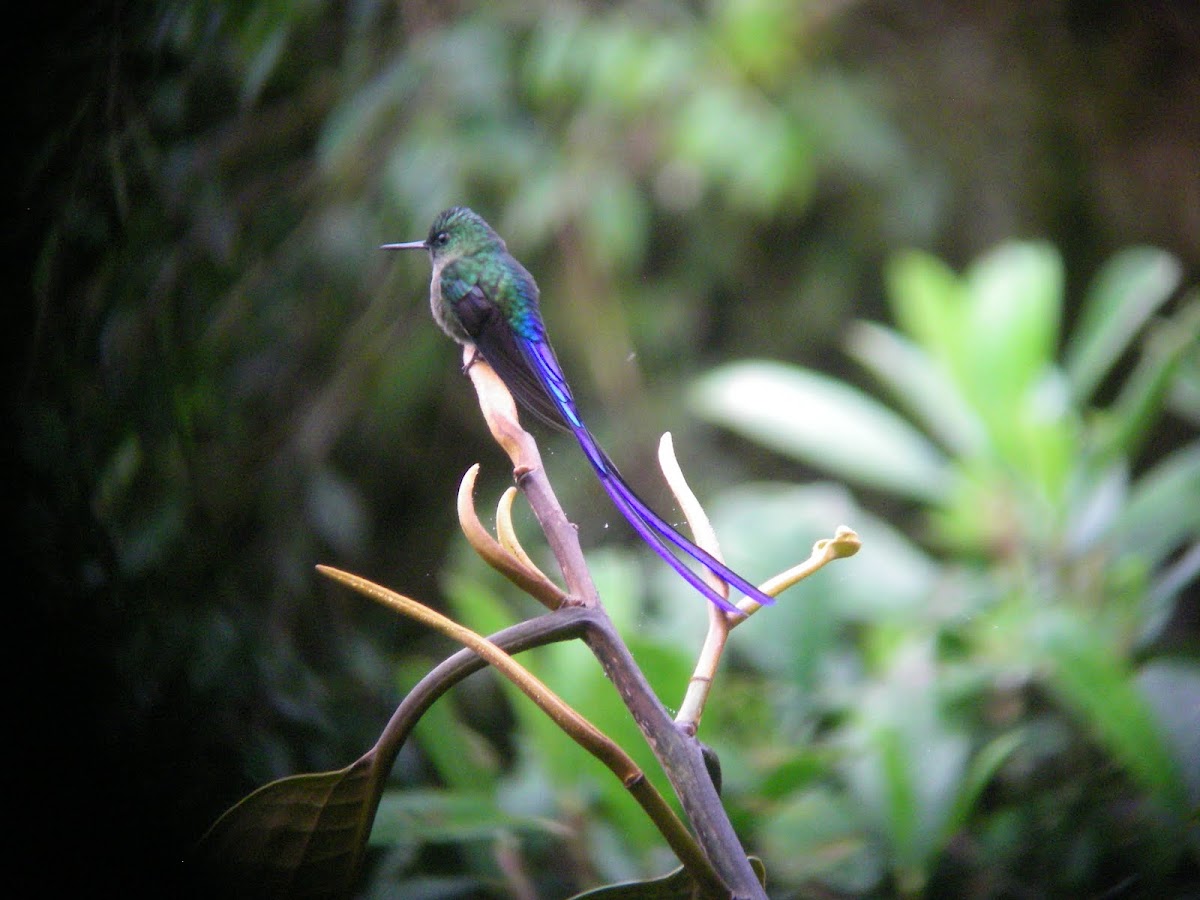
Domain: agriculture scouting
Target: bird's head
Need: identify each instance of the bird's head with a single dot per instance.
(455, 233)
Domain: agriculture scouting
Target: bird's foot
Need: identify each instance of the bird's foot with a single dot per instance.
(470, 362)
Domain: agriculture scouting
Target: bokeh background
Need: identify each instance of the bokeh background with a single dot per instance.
(220, 382)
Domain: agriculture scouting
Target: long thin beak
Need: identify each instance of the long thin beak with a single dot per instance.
(410, 245)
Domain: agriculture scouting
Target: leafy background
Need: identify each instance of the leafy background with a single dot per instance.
(219, 383)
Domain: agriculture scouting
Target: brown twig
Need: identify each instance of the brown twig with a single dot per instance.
(679, 754)
(500, 413)
(516, 566)
(566, 717)
(844, 543)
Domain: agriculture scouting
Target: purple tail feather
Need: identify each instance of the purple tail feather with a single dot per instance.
(651, 527)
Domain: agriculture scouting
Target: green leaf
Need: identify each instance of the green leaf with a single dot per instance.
(1163, 511)
(909, 765)
(897, 795)
(927, 302)
(1127, 291)
(459, 754)
(1010, 331)
(1128, 422)
(475, 604)
(264, 38)
(307, 830)
(1185, 392)
(1172, 687)
(920, 384)
(1097, 684)
(982, 768)
(825, 423)
(1041, 438)
(433, 816)
(678, 885)
(817, 835)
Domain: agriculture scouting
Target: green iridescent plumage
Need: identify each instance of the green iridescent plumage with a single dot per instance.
(467, 254)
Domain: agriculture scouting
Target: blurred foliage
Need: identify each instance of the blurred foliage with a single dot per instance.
(1054, 633)
(224, 383)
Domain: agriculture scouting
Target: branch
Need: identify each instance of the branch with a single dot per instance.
(565, 716)
(845, 542)
(500, 413)
(680, 755)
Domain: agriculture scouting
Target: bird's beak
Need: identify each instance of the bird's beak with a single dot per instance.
(410, 245)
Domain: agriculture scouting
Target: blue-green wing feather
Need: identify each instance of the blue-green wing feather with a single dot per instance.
(499, 345)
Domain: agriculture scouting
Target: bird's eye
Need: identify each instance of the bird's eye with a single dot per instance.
(440, 238)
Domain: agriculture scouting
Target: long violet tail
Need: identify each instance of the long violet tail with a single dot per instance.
(651, 527)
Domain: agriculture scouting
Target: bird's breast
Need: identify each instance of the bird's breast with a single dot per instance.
(443, 312)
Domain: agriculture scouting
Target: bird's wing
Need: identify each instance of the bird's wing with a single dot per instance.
(501, 347)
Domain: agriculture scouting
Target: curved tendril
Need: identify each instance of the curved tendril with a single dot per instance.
(516, 569)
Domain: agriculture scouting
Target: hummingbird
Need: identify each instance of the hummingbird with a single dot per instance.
(482, 297)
